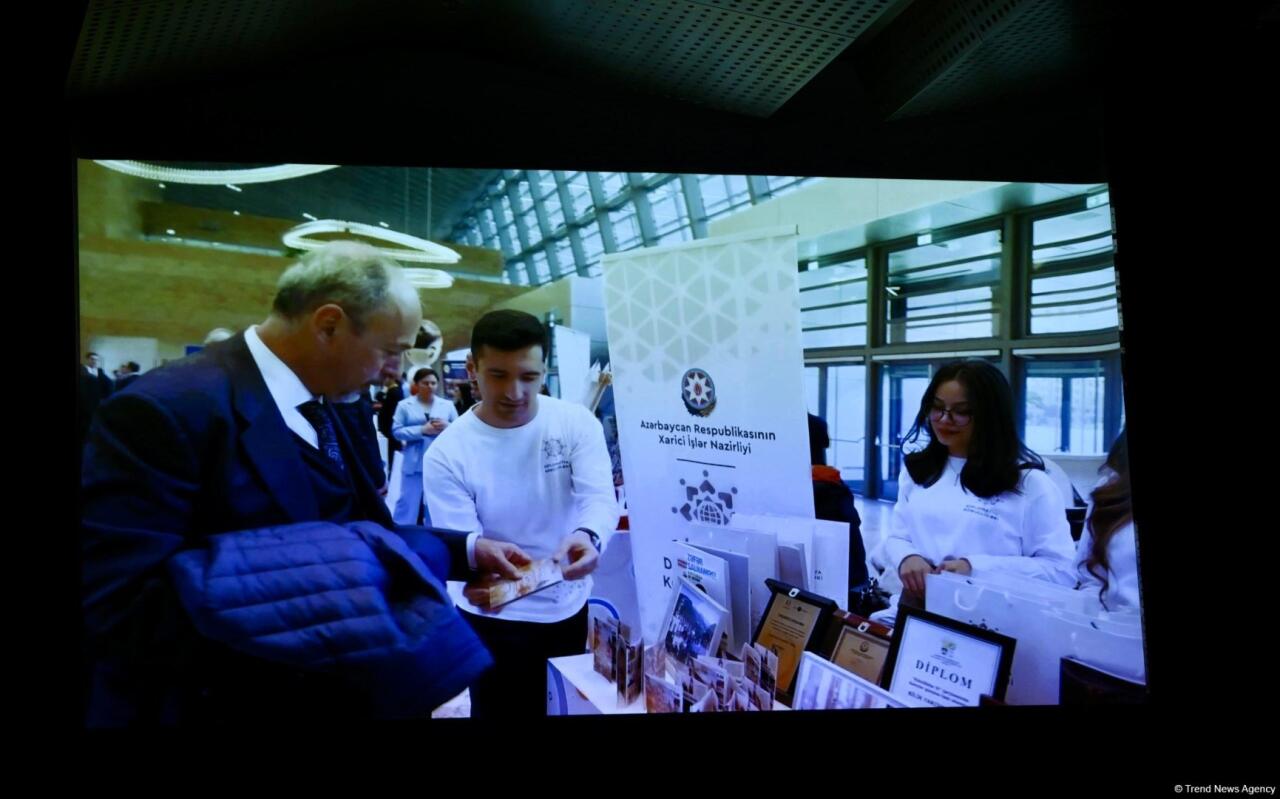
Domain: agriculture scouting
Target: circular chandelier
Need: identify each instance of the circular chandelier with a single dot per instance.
(215, 177)
(411, 248)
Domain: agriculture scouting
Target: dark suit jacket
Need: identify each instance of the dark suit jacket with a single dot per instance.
(819, 440)
(357, 416)
(90, 392)
(387, 414)
(193, 449)
(126, 380)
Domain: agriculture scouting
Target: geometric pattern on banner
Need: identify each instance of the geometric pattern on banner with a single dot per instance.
(676, 313)
(705, 503)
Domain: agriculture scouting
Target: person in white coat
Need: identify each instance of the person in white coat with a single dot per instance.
(975, 498)
(1107, 555)
(533, 473)
(417, 422)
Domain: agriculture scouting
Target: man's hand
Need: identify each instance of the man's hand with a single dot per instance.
(494, 560)
(434, 427)
(577, 556)
(959, 566)
(477, 595)
(500, 557)
(912, 571)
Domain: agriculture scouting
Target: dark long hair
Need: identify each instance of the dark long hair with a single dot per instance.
(1112, 510)
(997, 455)
(465, 399)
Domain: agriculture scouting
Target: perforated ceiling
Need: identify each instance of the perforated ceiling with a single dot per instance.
(127, 42)
(744, 56)
(748, 56)
(950, 54)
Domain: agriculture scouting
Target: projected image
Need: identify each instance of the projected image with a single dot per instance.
(693, 321)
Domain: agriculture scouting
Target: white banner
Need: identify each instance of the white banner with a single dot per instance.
(573, 361)
(704, 340)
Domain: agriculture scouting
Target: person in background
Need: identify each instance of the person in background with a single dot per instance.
(466, 397)
(1107, 553)
(819, 440)
(833, 501)
(130, 372)
(418, 421)
(93, 386)
(388, 399)
(975, 498)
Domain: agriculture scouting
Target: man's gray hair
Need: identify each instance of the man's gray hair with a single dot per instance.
(349, 274)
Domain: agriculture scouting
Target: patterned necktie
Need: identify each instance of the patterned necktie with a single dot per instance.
(315, 413)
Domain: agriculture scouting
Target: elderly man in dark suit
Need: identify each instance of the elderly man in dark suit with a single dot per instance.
(239, 564)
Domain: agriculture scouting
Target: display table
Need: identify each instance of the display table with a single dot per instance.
(574, 688)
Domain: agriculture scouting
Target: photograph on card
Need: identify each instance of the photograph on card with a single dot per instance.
(694, 623)
(534, 577)
(661, 695)
(630, 688)
(822, 685)
(604, 646)
(760, 698)
(737, 593)
(706, 700)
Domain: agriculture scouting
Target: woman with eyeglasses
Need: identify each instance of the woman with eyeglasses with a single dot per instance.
(975, 498)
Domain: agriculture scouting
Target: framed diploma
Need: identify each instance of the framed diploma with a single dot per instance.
(859, 645)
(794, 620)
(939, 662)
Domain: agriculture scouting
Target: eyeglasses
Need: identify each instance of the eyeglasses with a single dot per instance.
(958, 418)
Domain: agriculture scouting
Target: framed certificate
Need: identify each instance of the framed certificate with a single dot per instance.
(859, 645)
(939, 662)
(793, 621)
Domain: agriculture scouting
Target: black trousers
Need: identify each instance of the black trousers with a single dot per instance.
(516, 687)
(392, 449)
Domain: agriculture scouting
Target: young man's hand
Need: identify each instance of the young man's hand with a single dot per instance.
(577, 556)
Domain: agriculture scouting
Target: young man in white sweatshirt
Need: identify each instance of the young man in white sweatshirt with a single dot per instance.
(532, 474)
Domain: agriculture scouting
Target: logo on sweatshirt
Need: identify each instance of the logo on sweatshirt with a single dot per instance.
(698, 392)
(555, 455)
(553, 448)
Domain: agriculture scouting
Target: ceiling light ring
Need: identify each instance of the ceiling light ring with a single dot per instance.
(215, 177)
(417, 250)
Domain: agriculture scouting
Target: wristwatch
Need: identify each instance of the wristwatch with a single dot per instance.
(595, 539)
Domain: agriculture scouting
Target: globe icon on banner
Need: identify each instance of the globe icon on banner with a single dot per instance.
(711, 513)
(705, 504)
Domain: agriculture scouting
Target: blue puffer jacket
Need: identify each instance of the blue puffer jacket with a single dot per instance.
(353, 601)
